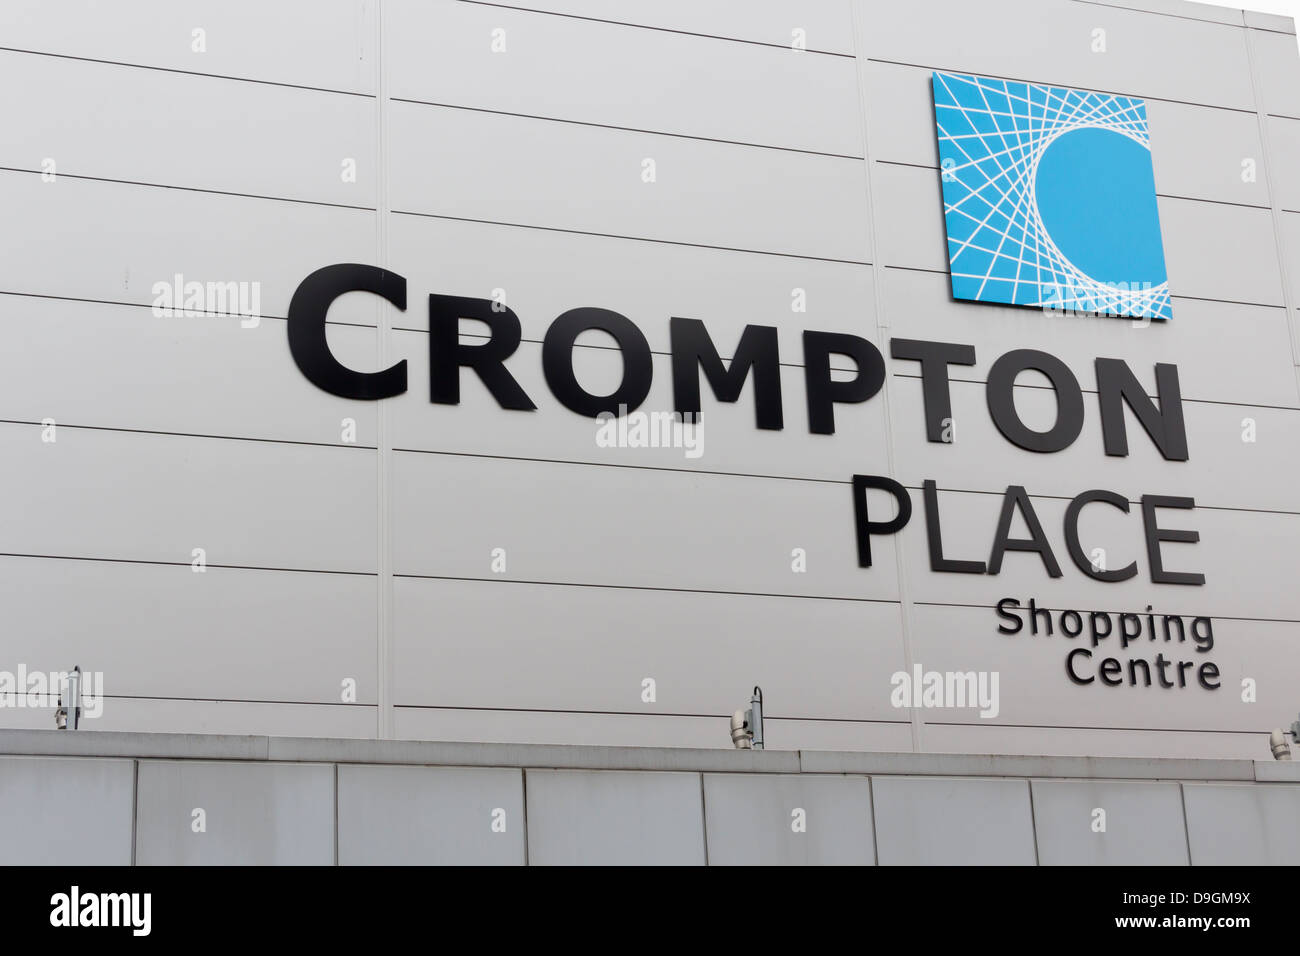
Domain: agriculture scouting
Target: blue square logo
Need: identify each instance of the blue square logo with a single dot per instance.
(1049, 197)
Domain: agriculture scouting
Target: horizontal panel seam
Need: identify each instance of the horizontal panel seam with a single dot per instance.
(198, 73)
(615, 587)
(603, 464)
(608, 235)
(1017, 79)
(182, 564)
(190, 189)
(627, 129)
(646, 26)
(171, 434)
(1164, 13)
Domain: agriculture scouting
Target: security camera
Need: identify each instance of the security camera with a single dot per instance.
(747, 725)
(740, 731)
(69, 714)
(1278, 742)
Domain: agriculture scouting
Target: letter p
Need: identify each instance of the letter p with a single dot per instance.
(865, 526)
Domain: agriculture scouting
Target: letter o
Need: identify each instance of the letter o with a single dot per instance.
(1002, 404)
(557, 362)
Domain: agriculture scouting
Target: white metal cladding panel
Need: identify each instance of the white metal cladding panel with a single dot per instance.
(1036, 690)
(728, 440)
(174, 129)
(1191, 9)
(567, 176)
(629, 527)
(330, 40)
(1239, 554)
(545, 647)
(147, 497)
(1223, 471)
(1290, 230)
(1196, 151)
(1212, 250)
(165, 631)
(1224, 351)
(593, 71)
(78, 241)
(1146, 54)
(649, 282)
(1278, 69)
(1276, 22)
(826, 23)
(1284, 149)
(116, 366)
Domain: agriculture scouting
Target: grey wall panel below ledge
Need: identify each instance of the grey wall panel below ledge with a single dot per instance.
(66, 812)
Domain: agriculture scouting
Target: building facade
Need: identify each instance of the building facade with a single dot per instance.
(236, 550)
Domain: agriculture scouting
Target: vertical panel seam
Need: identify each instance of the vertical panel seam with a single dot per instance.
(135, 808)
(875, 830)
(877, 272)
(1276, 214)
(704, 819)
(385, 722)
(1033, 823)
(523, 783)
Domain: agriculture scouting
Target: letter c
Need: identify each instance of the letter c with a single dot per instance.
(1069, 665)
(311, 352)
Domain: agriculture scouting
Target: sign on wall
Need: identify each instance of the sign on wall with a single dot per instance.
(1049, 197)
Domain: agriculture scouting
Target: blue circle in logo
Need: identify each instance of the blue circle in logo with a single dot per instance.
(1097, 199)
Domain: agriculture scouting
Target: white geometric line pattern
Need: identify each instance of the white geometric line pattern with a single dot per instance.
(992, 137)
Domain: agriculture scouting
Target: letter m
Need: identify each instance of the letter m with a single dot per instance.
(693, 350)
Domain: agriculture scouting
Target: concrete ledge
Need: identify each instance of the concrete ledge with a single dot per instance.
(63, 743)
(993, 765)
(531, 756)
(560, 757)
(1277, 771)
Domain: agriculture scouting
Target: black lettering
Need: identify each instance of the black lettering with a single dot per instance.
(1008, 616)
(1073, 545)
(1000, 393)
(935, 537)
(935, 357)
(693, 352)
(1155, 534)
(1069, 662)
(306, 327)
(1118, 386)
(557, 362)
(823, 393)
(447, 354)
(865, 526)
(1037, 542)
